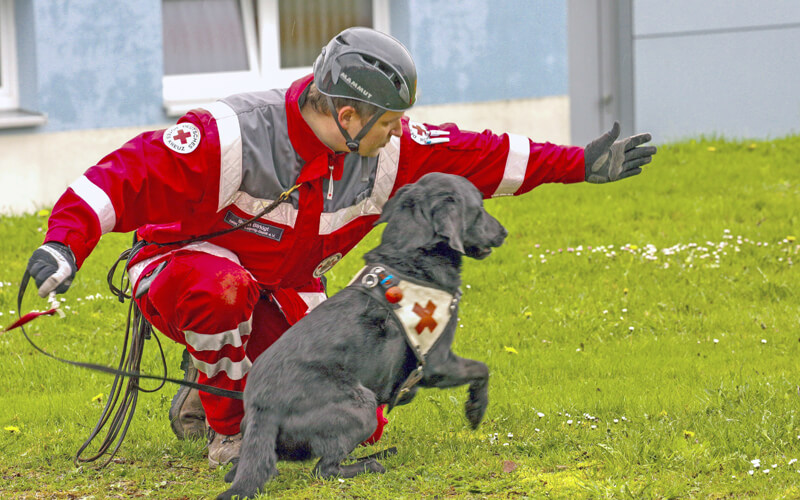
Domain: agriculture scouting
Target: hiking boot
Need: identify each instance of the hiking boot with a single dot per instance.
(186, 414)
(223, 449)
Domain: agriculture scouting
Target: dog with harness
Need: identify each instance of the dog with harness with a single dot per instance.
(389, 332)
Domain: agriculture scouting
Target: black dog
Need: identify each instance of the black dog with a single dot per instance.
(315, 391)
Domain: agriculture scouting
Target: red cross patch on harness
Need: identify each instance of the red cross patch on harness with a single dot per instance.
(426, 317)
(182, 138)
(424, 313)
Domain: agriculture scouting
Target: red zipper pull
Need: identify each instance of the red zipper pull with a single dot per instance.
(330, 184)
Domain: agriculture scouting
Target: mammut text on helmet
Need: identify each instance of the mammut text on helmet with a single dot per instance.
(355, 85)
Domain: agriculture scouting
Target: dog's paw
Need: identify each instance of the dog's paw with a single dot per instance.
(374, 466)
(228, 495)
(475, 412)
(476, 405)
(231, 475)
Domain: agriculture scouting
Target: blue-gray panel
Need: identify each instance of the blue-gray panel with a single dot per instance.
(656, 17)
(738, 85)
(99, 63)
(26, 55)
(482, 50)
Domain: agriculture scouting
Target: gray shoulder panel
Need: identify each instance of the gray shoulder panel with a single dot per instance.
(270, 164)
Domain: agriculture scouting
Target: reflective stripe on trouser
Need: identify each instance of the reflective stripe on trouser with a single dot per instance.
(206, 303)
(198, 292)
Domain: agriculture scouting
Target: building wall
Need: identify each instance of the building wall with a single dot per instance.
(90, 64)
(95, 68)
(485, 50)
(717, 68)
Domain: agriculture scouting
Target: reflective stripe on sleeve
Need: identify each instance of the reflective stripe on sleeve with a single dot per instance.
(98, 201)
(230, 144)
(519, 150)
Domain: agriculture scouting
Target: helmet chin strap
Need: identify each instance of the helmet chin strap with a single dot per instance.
(353, 143)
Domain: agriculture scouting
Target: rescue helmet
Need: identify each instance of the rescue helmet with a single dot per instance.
(367, 65)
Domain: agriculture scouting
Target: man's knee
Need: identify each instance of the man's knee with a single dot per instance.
(204, 294)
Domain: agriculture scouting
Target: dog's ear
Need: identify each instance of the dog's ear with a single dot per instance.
(393, 205)
(409, 227)
(448, 221)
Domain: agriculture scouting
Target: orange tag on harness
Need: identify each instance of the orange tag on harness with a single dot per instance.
(394, 294)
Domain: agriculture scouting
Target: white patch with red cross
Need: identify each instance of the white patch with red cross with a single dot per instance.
(424, 313)
(182, 138)
(421, 135)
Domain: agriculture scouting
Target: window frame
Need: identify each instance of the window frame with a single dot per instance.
(9, 84)
(182, 93)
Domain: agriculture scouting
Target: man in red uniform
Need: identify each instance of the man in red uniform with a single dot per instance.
(339, 133)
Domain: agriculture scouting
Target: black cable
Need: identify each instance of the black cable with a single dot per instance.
(131, 357)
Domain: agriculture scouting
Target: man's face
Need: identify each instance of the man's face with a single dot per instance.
(388, 125)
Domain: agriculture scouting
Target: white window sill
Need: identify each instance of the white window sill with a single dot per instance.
(175, 109)
(183, 93)
(20, 118)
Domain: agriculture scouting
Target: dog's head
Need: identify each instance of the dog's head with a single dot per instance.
(441, 208)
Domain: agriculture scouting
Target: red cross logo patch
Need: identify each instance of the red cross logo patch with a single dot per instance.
(182, 135)
(182, 138)
(426, 317)
(422, 135)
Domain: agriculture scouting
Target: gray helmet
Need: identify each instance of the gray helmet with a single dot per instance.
(367, 65)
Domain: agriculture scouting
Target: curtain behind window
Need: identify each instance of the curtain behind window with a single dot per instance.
(307, 25)
(203, 36)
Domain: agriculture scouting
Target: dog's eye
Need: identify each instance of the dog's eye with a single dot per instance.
(476, 219)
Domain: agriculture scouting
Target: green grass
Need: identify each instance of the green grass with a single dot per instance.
(613, 374)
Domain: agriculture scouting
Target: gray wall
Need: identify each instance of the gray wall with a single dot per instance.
(93, 64)
(484, 50)
(684, 68)
(90, 64)
(600, 67)
(717, 67)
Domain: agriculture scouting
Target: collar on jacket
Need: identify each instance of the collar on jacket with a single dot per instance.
(421, 311)
(318, 157)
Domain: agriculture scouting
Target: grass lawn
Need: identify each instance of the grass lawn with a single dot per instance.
(642, 338)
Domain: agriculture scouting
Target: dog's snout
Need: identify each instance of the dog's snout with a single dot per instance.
(501, 235)
(497, 232)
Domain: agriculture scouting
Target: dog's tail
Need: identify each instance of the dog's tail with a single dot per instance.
(258, 459)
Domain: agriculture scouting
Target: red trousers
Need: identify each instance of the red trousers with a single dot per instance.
(214, 307)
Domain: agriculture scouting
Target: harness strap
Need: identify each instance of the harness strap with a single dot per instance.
(352, 144)
(373, 281)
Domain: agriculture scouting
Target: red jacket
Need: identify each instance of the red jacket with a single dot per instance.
(219, 165)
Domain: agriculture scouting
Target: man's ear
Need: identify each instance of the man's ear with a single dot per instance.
(346, 114)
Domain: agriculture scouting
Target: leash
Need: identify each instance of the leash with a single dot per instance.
(130, 360)
(101, 368)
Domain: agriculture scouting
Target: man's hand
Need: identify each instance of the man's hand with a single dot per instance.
(53, 268)
(608, 159)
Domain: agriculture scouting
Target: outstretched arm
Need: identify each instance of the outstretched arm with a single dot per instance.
(608, 159)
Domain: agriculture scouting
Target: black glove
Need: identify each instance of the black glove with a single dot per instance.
(53, 268)
(607, 159)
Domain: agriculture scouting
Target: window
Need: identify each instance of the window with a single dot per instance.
(8, 57)
(214, 48)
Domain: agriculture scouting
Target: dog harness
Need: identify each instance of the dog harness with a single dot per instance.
(421, 311)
